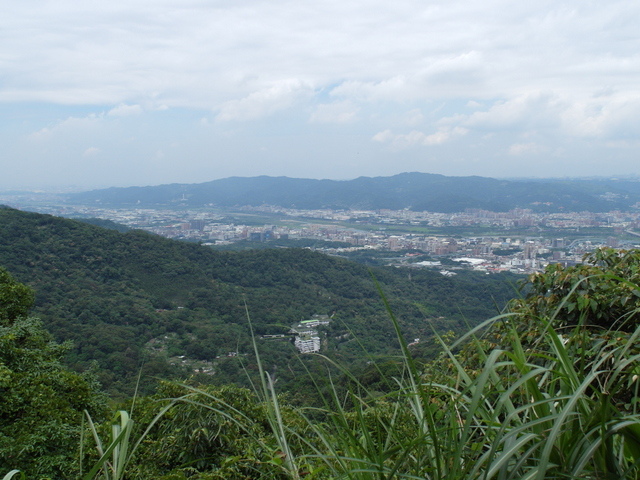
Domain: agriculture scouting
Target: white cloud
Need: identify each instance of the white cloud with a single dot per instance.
(597, 116)
(91, 152)
(415, 137)
(194, 53)
(384, 136)
(337, 112)
(477, 79)
(413, 117)
(41, 135)
(391, 88)
(613, 116)
(70, 125)
(125, 110)
(523, 148)
(521, 111)
(264, 102)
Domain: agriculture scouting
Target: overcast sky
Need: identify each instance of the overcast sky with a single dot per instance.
(144, 92)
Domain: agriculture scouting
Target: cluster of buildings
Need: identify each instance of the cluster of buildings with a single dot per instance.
(516, 218)
(520, 245)
(307, 337)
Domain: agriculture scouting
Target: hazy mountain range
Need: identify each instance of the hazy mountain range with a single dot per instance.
(414, 191)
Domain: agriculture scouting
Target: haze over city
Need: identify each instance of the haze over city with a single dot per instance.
(161, 91)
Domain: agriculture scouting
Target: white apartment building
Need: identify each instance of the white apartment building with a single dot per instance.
(307, 343)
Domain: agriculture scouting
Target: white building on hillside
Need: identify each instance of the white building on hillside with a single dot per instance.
(307, 343)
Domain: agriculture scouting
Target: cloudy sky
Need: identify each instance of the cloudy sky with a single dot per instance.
(143, 92)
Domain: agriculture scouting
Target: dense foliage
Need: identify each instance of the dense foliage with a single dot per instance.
(539, 405)
(602, 292)
(41, 401)
(132, 299)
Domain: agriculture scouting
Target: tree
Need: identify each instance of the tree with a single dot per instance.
(593, 306)
(42, 400)
(207, 433)
(601, 293)
(15, 299)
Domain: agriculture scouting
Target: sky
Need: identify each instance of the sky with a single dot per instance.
(146, 92)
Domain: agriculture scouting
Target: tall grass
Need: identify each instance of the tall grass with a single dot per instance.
(118, 453)
(552, 406)
(550, 409)
(520, 412)
(561, 406)
(13, 473)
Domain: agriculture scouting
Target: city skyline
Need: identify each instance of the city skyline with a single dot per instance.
(161, 91)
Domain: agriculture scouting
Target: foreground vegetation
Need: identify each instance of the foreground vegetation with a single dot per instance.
(547, 390)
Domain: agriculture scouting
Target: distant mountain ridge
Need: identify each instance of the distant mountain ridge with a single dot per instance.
(413, 191)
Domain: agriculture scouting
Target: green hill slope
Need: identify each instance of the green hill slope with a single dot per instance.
(122, 296)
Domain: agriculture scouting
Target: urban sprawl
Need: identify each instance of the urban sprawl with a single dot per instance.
(520, 241)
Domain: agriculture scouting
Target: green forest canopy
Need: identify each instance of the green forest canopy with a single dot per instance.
(554, 398)
(112, 293)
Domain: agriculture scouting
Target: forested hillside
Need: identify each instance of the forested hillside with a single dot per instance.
(548, 390)
(125, 299)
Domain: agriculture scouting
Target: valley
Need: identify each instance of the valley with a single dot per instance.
(112, 293)
(238, 333)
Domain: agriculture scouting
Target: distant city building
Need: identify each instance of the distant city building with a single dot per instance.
(197, 225)
(307, 339)
(521, 254)
(530, 250)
